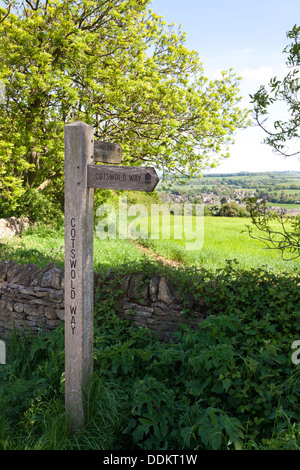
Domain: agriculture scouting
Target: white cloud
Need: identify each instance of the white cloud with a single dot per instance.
(261, 74)
(250, 154)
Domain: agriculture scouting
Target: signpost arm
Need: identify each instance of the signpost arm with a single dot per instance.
(79, 224)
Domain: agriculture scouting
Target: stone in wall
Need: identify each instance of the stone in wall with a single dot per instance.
(52, 278)
(30, 298)
(33, 299)
(166, 292)
(39, 274)
(4, 267)
(153, 288)
(138, 288)
(155, 304)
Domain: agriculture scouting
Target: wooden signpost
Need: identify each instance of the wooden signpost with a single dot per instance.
(2, 352)
(81, 177)
(107, 152)
(122, 177)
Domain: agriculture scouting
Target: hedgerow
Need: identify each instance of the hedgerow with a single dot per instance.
(231, 384)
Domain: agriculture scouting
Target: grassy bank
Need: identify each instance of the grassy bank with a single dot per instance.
(230, 385)
(44, 245)
(219, 239)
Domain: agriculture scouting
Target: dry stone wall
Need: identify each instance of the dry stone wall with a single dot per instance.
(32, 299)
(154, 303)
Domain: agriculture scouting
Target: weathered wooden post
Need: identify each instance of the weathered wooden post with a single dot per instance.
(81, 177)
(79, 225)
(2, 352)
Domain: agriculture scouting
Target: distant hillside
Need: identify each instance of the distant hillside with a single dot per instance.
(279, 189)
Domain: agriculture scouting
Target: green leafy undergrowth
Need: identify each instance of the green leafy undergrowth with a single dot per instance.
(229, 385)
(214, 388)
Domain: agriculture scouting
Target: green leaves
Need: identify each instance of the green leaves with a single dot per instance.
(115, 65)
(229, 385)
(278, 231)
(282, 135)
(215, 428)
(219, 387)
(153, 405)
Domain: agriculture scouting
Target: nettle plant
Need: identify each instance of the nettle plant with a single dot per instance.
(230, 384)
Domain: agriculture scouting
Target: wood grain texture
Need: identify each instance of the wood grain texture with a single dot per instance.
(107, 152)
(122, 177)
(78, 274)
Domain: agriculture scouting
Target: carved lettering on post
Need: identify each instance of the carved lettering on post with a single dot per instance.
(79, 200)
(122, 177)
(73, 263)
(107, 152)
(81, 177)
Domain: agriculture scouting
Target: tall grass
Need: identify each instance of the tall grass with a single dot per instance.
(45, 245)
(224, 238)
(32, 412)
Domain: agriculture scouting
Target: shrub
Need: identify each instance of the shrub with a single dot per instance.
(232, 209)
(35, 205)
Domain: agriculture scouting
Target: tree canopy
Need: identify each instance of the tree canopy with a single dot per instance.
(118, 66)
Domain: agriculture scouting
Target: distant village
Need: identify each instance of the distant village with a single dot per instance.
(206, 198)
(213, 193)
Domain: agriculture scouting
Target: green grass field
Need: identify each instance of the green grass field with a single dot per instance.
(42, 246)
(284, 206)
(218, 239)
(224, 238)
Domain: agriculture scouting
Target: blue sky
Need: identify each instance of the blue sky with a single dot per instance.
(249, 37)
